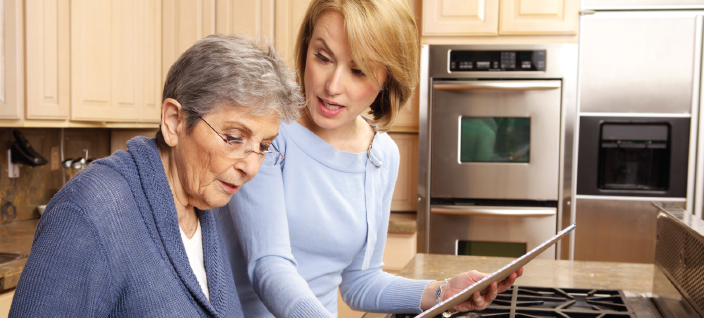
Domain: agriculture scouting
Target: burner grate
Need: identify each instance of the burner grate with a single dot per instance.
(547, 302)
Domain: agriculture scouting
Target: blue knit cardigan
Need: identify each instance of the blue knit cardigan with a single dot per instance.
(109, 245)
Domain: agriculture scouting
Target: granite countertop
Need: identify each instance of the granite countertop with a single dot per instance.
(15, 238)
(402, 223)
(631, 277)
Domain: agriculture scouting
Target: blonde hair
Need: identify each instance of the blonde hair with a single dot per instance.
(379, 32)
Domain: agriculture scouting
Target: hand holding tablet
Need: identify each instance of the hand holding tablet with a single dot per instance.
(489, 284)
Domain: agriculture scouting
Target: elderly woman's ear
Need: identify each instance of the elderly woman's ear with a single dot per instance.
(172, 121)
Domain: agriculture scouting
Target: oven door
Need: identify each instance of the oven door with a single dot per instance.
(495, 139)
(491, 231)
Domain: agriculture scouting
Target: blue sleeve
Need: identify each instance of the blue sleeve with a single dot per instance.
(67, 273)
(373, 289)
(259, 213)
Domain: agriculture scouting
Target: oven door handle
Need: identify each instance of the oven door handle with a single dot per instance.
(497, 85)
(494, 210)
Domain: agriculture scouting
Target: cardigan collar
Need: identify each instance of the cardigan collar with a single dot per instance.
(162, 211)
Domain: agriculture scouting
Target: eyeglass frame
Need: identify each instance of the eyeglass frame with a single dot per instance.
(262, 154)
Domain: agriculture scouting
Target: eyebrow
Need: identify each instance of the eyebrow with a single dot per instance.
(327, 48)
(325, 44)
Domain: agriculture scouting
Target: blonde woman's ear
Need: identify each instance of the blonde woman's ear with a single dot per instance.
(172, 121)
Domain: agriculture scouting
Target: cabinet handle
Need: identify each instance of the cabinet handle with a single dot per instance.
(497, 85)
(494, 210)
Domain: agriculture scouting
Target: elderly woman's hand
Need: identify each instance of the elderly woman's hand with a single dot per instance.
(478, 301)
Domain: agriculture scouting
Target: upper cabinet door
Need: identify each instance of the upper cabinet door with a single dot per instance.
(47, 59)
(184, 23)
(460, 17)
(538, 17)
(289, 15)
(11, 53)
(115, 60)
(254, 18)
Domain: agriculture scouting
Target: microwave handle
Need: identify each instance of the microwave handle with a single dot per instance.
(494, 210)
(497, 85)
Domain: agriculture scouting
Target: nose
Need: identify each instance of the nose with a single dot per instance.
(249, 165)
(335, 82)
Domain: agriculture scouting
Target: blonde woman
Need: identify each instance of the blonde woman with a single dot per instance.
(332, 195)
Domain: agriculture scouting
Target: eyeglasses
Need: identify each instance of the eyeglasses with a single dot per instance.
(235, 149)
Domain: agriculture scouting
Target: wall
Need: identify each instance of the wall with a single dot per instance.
(36, 185)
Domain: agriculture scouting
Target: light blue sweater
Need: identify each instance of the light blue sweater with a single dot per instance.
(335, 208)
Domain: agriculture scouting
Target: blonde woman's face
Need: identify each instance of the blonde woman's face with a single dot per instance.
(336, 89)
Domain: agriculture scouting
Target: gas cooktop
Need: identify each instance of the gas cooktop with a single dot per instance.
(548, 302)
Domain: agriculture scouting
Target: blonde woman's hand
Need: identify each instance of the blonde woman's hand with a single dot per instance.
(478, 301)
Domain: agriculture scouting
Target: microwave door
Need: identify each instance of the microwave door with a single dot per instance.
(495, 139)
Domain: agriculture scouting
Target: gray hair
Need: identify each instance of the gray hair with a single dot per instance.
(222, 69)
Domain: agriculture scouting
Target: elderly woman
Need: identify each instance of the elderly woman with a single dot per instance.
(133, 235)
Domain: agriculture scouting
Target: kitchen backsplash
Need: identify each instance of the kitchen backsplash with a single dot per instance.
(37, 185)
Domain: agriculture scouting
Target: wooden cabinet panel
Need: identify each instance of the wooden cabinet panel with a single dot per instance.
(460, 17)
(90, 63)
(399, 250)
(254, 18)
(149, 61)
(289, 15)
(534, 17)
(405, 192)
(114, 60)
(184, 23)
(47, 59)
(11, 60)
(5, 302)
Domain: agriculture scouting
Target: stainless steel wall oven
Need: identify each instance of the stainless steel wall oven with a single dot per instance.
(492, 146)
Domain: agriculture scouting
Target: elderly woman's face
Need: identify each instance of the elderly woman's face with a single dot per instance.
(207, 172)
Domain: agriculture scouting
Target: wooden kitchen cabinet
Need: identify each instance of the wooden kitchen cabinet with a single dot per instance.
(536, 17)
(184, 23)
(116, 60)
(187, 21)
(499, 17)
(289, 15)
(460, 17)
(406, 192)
(11, 57)
(5, 303)
(254, 18)
(400, 249)
(47, 59)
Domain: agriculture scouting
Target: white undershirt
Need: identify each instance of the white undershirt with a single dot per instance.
(194, 251)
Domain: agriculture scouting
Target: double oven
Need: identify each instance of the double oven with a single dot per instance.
(494, 121)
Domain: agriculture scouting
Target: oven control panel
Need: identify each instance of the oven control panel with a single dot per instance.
(501, 61)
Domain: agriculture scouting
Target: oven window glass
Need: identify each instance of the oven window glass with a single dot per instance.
(500, 249)
(495, 139)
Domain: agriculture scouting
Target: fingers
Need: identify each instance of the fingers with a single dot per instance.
(479, 300)
(508, 281)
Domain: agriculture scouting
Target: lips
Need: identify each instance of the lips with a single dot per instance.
(229, 187)
(329, 109)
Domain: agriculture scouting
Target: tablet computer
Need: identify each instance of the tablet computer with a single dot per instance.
(496, 276)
